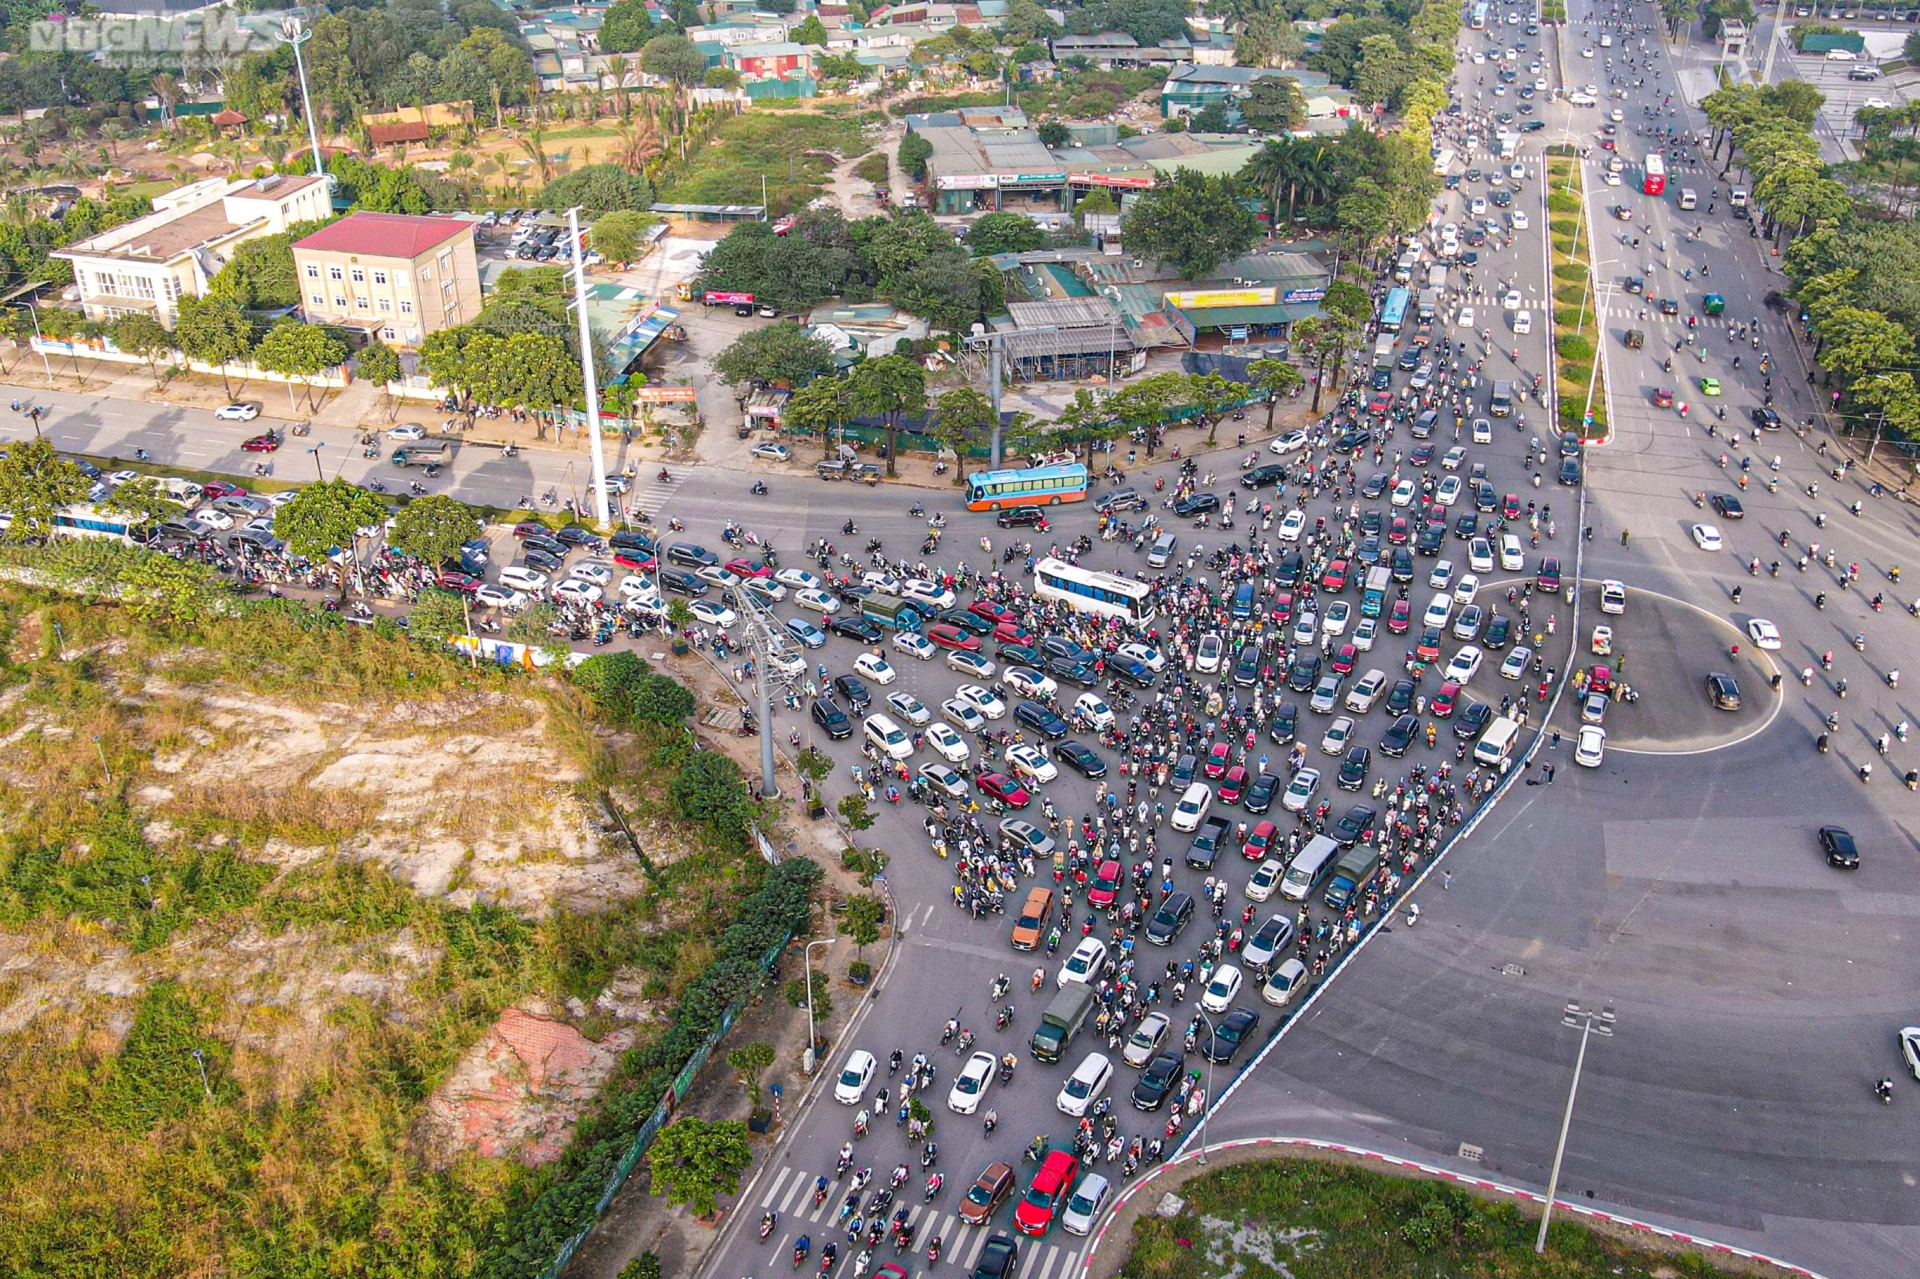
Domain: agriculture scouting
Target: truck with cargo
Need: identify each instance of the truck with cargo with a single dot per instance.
(890, 612)
(1062, 1021)
(1373, 597)
(1349, 873)
(422, 455)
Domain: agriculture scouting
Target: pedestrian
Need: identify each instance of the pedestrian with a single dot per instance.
(1549, 772)
(1446, 880)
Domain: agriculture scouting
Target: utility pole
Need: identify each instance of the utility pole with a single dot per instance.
(295, 31)
(996, 344)
(773, 662)
(1773, 43)
(588, 374)
(1590, 1023)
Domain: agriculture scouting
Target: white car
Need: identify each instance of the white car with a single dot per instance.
(1193, 805)
(1480, 555)
(1334, 740)
(1613, 597)
(875, 668)
(1706, 537)
(1207, 654)
(1591, 746)
(1840, 55)
(1439, 610)
(914, 644)
(1466, 317)
(1518, 218)
(591, 571)
(1465, 664)
(973, 664)
(970, 1085)
(1300, 790)
(575, 591)
(1265, 878)
(1910, 1048)
(799, 579)
(1455, 458)
(635, 589)
(1510, 557)
(1764, 633)
(1220, 992)
(915, 588)
(909, 708)
(522, 578)
(1403, 493)
(1307, 629)
(1084, 963)
(854, 1078)
(1515, 667)
(713, 614)
(1095, 710)
(1145, 654)
(981, 700)
(948, 744)
(1029, 763)
(237, 412)
(214, 518)
(1465, 589)
(1363, 634)
(1617, 115)
(964, 714)
(1084, 1086)
(1291, 526)
(1288, 442)
(1523, 322)
(407, 432)
(1442, 575)
(1084, 1204)
(1511, 300)
(817, 600)
(1448, 490)
(491, 596)
(1028, 682)
(764, 589)
(1339, 614)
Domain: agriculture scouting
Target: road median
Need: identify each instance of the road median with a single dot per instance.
(1577, 329)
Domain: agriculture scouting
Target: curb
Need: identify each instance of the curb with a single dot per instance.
(1432, 1170)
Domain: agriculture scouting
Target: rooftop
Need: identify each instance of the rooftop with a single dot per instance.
(167, 232)
(385, 235)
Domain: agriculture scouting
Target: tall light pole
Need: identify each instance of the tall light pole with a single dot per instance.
(1590, 1023)
(295, 31)
(317, 469)
(1206, 1111)
(588, 375)
(806, 961)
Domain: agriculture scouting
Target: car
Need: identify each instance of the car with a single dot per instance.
(963, 715)
(1764, 418)
(851, 1086)
(817, 600)
(948, 744)
(1265, 878)
(1516, 663)
(1593, 707)
(1339, 614)
(1723, 691)
(1590, 747)
(970, 1085)
(1260, 793)
(1728, 506)
(854, 628)
(1265, 945)
(853, 691)
(874, 667)
(1400, 616)
(981, 700)
(1548, 578)
(239, 412)
(771, 452)
(1157, 1080)
(265, 443)
(1280, 728)
(1364, 633)
(1511, 557)
(1000, 1255)
(574, 591)
(1287, 981)
(944, 780)
(1353, 768)
(1028, 682)
(1041, 720)
(1079, 758)
(1084, 1205)
(1334, 741)
(1840, 850)
(1326, 695)
(1467, 625)
(1288, 442)
(970, 663)
(915, 645)
(1146, 1039)
(491, 596)
(1465, 664)
(1083, 965)
(988, 1191)
(1403, 493)
(1233, 785)
(1763, 633)
(1225, 1036)
(1027, 762)
(1196, 504)
(1167, 923)
(796, 578)
(1222, 990)
(1084, 1086)
(1706, 537)
(1003, 788)
(953, 638)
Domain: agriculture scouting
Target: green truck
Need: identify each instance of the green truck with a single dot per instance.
(422, 455)
(891, 611)
(1062, 1021)
(1352, 870)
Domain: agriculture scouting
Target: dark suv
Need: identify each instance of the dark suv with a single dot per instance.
(1021, 517)
(833, 720)
(1173, 916)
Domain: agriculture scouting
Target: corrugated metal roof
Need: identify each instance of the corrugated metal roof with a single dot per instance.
(1064, 313)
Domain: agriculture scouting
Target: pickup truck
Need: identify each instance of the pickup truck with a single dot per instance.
(422, 455)
(1206, 844)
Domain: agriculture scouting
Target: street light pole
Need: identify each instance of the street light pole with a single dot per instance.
(295, 31)
(1206, 1111)
(806, 960)
(317, 470)
(1590, 1023)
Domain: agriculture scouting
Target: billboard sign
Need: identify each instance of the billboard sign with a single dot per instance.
(966, 182)
(1294, 296)
(663, 395)
(1109, 180)
(1203, 298)
(726, 297)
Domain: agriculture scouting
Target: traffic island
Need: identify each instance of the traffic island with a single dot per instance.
(1579, 381)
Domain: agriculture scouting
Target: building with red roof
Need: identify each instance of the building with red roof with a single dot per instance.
(392, 275)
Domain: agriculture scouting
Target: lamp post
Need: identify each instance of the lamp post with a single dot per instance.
(317, 470)
(295, 31)
(46, 364)
(1589, 1023)
(807, 964)
(1206, 1111)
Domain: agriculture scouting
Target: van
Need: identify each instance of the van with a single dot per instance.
(185, 492)
(1032, 919)
(889, 737)
(1242, 606)
(1310, 868)
(1373, 597)
(1161, 551)
(1737, 198)
(1497, 742)
(1689, 198)
(1383, 352)
(1502, 403)
(1362, 696)
(1437, 277)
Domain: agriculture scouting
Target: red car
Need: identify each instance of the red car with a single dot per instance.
(947, 635)
(1217, 757)
(1003, 788)
(1548, 579)
(1400, 617)
(1234, 785)
(1045, 1193)
(1397, 531)
(1336, 576)
(1599, 680)
(1344, 659)
(1445, 700)
(465, 583)
(1510, 506)
(635, 560)
(220, 488)
(991, 610)
(527, 528)
(1012, 633)
(748, 568)
(1381, 402)
(1106, 885)
(1428, 649)
(1260, 841)
(266, 443)
(1283, 608)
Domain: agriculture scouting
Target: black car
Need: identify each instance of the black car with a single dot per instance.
(1723, 691)
(1372, 521)
(1422, 454)
(1020, 517)
(1382, 379)
(1156, 1081)
(972, 623)
(1206, 842)
(1432, 537)
(1499, 631)
(1403, 565)
(1304, 673)
(1066, 670)
(998, 1257)
(1196, 504)
(1353, 769)
(832, 719)
(1569, 471)
(690, 555)
(1409, 360)
(1376, 485)
(1291, 566)
(628, 540)
(1400, 697)
(1669, 306)
(1397, 738)
(1728, 506)
(1262, 476)
(544, 561)
(1260, 794)
(1061, 646)
(1227, 1034)
(546, 545)
(1484, 498)
(1286, 718)
(1839, 847)
(1041, 720)
(1352, 440)
(576, 535)
(1466, 526)
(851, 690)
(1765, 419)
(1082, 760)
(1356, 822)
(1172, 917)
(1470, 719)
(854, 628)
(1246, 670)
(681, 582)
(1183, 770)
(1138, 674)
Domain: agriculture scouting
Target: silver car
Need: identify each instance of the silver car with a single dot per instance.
(1146, 1040)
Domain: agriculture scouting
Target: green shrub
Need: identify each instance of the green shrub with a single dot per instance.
(1573, 294)
(872, 168)
(1564, 227)
(1576, 349)
(1562, 202)
(1576, 271)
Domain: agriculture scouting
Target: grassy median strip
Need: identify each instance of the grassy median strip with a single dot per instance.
(1576, 327)
(1314, 1219)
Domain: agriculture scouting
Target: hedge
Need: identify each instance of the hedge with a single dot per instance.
(1572, 294)
(1576, 271)
(1563, 202)
(1564, 226)
(1576, 348)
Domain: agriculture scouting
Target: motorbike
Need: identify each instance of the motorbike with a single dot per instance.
(766, 1225)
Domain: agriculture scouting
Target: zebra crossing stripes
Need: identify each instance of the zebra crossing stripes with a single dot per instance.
(651, 497)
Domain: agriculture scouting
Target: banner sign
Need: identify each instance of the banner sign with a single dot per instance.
(1292, 296)
(663, 395)
(1106, 180)
(1203, 298)
(718, 297)
(966, 182)
(1039, 177)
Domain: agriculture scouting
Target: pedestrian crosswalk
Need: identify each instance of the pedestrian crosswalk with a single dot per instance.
(790, 1195)
(650, 498)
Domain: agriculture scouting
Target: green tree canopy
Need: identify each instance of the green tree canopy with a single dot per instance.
(326, 517)
(35, 483)
(618, 235)
(1193, 222)
(599, 189)
(434, 528)
(780, 353)
(212, 330)
(694, 1162)
(892, 388)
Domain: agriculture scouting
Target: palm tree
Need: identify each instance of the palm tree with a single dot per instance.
(112, 132)
(537, 154)
(167, 89)
(638, 141)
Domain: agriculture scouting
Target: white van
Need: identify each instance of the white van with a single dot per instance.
(889, 737)
(185, 492)
(1192, 807)
(1497, 742)
(1312, 866)
(1689, 198)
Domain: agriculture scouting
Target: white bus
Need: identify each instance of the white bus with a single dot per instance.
(1443, 162)
(1108, 594)
(91, 521)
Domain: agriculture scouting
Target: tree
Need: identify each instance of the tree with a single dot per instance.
(962, 419)
(694, 1162)
(213, 331)
(1212, 395)
(710, 791)
(379, 364)
(326, 517)
(436, 615)
(296, 350)
(751, 1060)
(779, 354)
(260, 275)
(36, 482)
(1274, 105)
(854, 812)
(144, 499)
(433, 528)
(915, 151)
(820, 408)
(1276, 378)
(892, 387)
(612, 682)
(1054, 134)
(1854, 341)
(161, 590)
(809, 263)
(617, 235)
(1004, 233)
(1211, 118)
(533, 625)
(599, 189)
(626, 27)
(1192, 222)
(810, 31)
(673, 57)
(661, 699)
(861, 921)
(140, 334)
